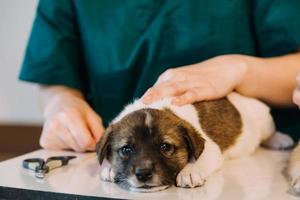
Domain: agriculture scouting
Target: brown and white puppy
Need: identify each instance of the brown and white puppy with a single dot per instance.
(149, 147)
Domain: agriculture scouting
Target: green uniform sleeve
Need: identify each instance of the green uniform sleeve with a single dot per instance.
(277, 26)
(53, 54)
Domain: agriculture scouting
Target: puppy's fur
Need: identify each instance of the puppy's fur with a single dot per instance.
(149, 147)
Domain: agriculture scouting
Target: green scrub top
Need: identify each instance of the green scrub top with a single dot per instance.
(113, 50)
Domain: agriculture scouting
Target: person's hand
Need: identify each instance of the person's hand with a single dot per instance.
(296, 95)
(211, 79)
(70, 123)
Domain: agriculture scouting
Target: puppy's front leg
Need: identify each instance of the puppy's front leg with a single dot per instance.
(195, 174)
(107, 173)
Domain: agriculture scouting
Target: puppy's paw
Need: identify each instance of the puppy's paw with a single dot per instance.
(190, 177)
(107, 174)
(295, 187)
(279, 141)
(293, 171)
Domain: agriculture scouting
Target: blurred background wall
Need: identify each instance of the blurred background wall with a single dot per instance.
(20, 116)
(18, 100)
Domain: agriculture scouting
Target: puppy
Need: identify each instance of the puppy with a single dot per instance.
(150, 147)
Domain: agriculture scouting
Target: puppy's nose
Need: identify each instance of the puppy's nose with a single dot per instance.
(143, 175)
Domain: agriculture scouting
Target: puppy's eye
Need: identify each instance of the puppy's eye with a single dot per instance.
(126, 150)
(165, 147)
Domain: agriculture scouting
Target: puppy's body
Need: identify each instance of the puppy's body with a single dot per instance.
(214, 130)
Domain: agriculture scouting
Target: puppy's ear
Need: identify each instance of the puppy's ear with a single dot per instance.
(102, 147)
(194, 141)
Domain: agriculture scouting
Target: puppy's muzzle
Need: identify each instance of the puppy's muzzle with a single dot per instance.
(143, 169)
(143, 174)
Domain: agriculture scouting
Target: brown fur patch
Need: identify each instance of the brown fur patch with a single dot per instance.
(195, 140)
(220, 120)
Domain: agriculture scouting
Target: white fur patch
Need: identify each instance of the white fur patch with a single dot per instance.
(190, 177)
(195, 174)
(257, 122)
(148, 119)
(279, 141)
(107, 173)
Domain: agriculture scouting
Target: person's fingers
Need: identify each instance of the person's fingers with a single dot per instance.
(82, 136)
(189, 97)
(296, 96)
(48, 139)
(166, 89)
(76, 125)
(67, 138)
(296, 93)
(95, 125)
(91, 147)
(169, 75)
(51, 143)
(194, 95)
(298, 79)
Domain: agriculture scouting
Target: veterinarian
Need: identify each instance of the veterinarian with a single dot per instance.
(90, 58)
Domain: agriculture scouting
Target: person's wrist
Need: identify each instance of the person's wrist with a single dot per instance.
(62, 91)
(296, 92)
(248, 67)
(237, 62)
(237, 65)
(59, 101)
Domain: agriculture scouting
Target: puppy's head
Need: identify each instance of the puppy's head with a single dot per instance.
(147, 149)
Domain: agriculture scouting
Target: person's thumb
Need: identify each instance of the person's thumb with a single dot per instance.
(95, 125)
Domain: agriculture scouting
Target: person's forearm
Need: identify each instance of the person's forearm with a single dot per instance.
(49, 94)
(271, 79)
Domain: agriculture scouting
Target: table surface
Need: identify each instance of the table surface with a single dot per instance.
(256, 177)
